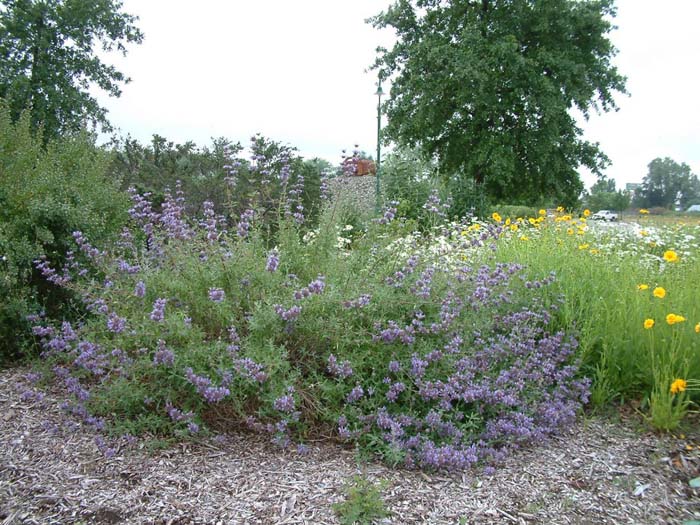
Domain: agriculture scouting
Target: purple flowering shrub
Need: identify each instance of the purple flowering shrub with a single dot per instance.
(202, 324)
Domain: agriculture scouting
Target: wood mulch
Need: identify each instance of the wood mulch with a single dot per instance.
(52, 471)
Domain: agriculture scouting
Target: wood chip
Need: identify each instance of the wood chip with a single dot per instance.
(595, 473)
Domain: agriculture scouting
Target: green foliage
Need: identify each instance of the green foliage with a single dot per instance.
(605, 196)
(667, 184)
(409, 179)
(603, 301)
(363, 503)
(46, 195)
(200, 327)
(159, 165)
(513, 212)
(503, 79)
(48, 62)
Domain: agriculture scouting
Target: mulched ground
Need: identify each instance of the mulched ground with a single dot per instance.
(53, 471)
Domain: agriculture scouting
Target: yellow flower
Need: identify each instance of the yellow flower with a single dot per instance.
(560, 209)
(524, 238)
(496, 217)
(586, 212)
(514, 227)
(474, 227)
(595, 251)
(543, 213)
(670, 256)
(643, 211)
(673, 319)
(531, 221)
(507, 223)
(679, 385)
(697, 328)
(643, 233)
(642, 287)
(583, 246)
(659, 292)
(570, 231)
(648, 323)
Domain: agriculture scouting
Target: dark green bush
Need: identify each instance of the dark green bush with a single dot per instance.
(507, 210)
(45, 195)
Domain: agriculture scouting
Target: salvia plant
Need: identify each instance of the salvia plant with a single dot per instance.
(209, 325)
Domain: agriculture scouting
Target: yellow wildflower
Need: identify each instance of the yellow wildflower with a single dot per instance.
(648, 324)
(643, 233)
(670, 256)
(560, 209)
(643, 211)
(697, 328)
(524, 238)
(543, 213)
(679, 385)
(594, 251)
(496, 217)
(642, 287)
(659, 292)
(570, 231)
(507, 223)
(586, 212)
(583, 246)
(514, 227)
(673, 319)
(531, 221)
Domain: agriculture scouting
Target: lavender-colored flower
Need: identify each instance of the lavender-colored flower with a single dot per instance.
(273, 260)
(217, 295)
(360, 302)
(158, 312)
(115, 323)
(209, 224)
(163, 355)
(245, 222)
(342, 370)
(286, 402)
(140, 289)
(355, 394)
(290, 314)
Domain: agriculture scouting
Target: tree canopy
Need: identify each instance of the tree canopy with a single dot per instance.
(604, 195)
(48, 59)
(488, 87)
(668, 184)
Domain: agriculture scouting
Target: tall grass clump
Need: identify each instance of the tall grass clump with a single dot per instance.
(630, 292)
(421, 351)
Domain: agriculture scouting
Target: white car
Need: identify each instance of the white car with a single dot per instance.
(604, 215)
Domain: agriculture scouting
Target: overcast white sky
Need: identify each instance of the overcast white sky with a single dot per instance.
(297, 71)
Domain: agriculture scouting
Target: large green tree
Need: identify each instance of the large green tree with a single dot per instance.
(48, 59)
(488, 87)
(668, 184)
(604, 195)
